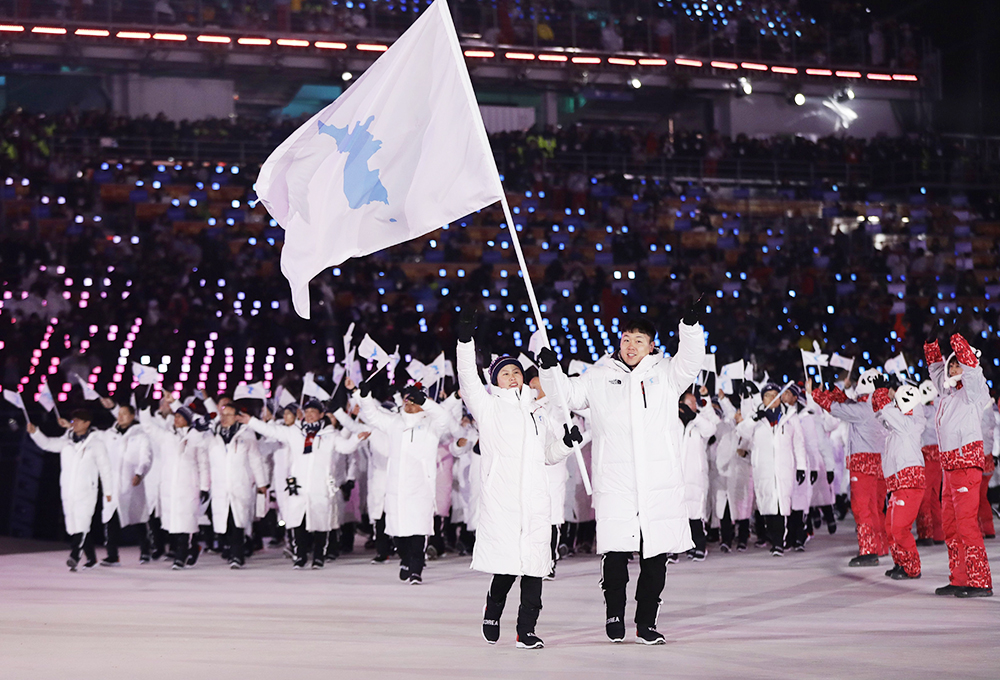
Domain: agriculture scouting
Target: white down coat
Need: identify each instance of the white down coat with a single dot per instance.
(636, 455)
(129, 454)
(410, 478)
(776, 452)
(183, 461)
(81, 465)
(310, 499)
(515, 527)
(694, 445)
(237, 469)
(735, 473)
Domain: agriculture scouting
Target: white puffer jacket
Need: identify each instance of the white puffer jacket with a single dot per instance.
(81, 465)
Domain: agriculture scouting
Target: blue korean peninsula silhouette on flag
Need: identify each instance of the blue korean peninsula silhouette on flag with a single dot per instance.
(361, 184)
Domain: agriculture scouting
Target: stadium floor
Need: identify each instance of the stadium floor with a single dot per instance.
(733, 616)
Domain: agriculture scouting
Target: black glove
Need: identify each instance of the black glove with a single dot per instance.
(364, 389)
(467, 324)
(415, 394)
(881, 381)
(346, 489)
(203, 495)
(758, 416)
(800, 476)
(996, 461)
(829, 477)
(694, 313)
(813, 476)
(570, 436)
(547, 358)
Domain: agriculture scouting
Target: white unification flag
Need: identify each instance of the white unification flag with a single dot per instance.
(14, 398)
(897, 364)
(536, 342)
(370, 350)
(846, 363)
(525, 361)
(416, 369)
(728, 373)
(89, 393)
(815, 358)
(45, 397)
(338, 374)
(254, 391)
(577, 367)
(434, 371)
(400, 154)
(449, 369)
(284, 397)
(709, 364)
(393, 363)
(348, 337)
(145, 375)
(311, 389)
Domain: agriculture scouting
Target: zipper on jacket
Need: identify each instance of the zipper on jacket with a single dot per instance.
(642, 385)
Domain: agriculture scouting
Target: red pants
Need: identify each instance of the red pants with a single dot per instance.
(866, 506)
(985, 509)
(880, 514)
(929, 518)
(967, 559)
(903, 508)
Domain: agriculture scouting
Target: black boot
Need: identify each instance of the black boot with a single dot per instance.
(491, 619)
(864, 561)
(527, 617)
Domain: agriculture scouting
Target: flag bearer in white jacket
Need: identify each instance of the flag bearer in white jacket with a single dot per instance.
(700, 423)
(184, 477)
(131, 457)
(637, 461)
(903, 467)
(413, 435)
(83, 462)
(515, 516)
(238, 475)
(312, 448)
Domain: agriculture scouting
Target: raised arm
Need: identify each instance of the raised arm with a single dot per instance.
(375, 416)
(683, 368)
(280, 433)
(51, 444)
(473, 391)
(935, 364)
(975, 390)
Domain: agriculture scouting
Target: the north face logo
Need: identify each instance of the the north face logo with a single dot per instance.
(962, 489)
(615, 381)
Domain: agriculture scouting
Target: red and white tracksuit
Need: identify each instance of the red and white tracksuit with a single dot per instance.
(866, 441)
(902, 466)
(960, 440)
(929, 524)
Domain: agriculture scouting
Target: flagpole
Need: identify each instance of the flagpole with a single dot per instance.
(545, 336)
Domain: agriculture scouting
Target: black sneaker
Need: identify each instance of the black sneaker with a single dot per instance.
(299, 563)
(948, 590)
(760, 544)
(725, 548)
(649, 636)
(832, 527)
(864, 561)
(672, 558)
(989, 537)
(614, 626)
(192, 558)
(235, 564)
(894, 569)
(318, 564)
(404, 573)
(380, 559)
(529, 641)
(431, 552)
(925, 542)
(144, 558)
(178, 565)
(777, 551)
(972, 591)
(491, 620)
(156, 554)
(416, 579)
(697, 555)
(90, 564)
(741, 547)
(108, 562)
(551, 575)
(901, 575)
(71, 563)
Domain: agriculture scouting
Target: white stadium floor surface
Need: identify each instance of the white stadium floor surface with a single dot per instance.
(805, 615)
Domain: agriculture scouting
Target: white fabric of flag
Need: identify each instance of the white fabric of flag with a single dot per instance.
(89, 393)
(400, 154)
(416, 369)
(525, 361)
(728, 373)
(536, 342)
(837, 361)
(252, 391)
(897, 364)
(311, 389)
(14, 398)
(815, 358)
(434, 371)
(577, 367)
(144, 375)
(284, 397)
(709, 364)
(370, 350)
(45, 397)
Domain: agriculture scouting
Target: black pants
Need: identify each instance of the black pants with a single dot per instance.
(113, 536)
(740, 530)
(302, 540)
(531, 599)
(827, 512)
(796, 529)
(237, 539)
(614, 578)
(698, 535)
(156, 537)
(775, 528)
(82, 542)
(411, 553)
(382, 543)
(347, 533)
(437, 540)
(183, 547)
